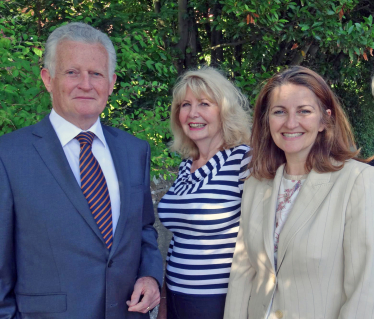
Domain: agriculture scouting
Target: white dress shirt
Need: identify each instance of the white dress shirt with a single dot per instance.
(66, 133)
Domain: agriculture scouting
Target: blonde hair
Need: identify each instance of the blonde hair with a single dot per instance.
(233, 105)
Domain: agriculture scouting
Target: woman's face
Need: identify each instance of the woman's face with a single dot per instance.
(294, 120)
(200, 120)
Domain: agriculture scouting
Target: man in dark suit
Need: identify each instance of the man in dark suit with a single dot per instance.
(76, 215)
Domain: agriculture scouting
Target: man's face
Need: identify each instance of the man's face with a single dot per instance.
(81, 84)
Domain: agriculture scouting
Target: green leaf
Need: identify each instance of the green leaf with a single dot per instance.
(149, 64)
(38, 52)
(304, 28)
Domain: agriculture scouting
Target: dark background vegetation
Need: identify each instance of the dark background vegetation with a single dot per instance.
(157, 40)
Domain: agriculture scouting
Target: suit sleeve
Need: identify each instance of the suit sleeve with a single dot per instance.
(358, 245)
(241, 276)
(151, 260)
(7, 258)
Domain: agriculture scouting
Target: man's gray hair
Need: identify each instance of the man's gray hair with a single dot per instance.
(79, 32)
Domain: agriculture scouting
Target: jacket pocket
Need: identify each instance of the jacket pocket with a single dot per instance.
(41, 303)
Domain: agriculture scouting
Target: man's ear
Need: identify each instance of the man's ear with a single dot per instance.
(47, 79)
(111, 85)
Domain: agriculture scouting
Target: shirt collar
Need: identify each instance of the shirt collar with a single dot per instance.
(67, 131)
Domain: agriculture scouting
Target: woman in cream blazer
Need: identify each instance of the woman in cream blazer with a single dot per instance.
(324, 266)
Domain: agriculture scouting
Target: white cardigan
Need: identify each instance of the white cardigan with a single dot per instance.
(325, 255)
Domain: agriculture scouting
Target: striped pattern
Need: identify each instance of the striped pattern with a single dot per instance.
(94, 187)
(202, 210)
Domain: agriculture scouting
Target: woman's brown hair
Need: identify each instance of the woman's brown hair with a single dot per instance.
(336, 141)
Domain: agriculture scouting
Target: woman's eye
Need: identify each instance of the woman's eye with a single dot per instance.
(278, 112)
(185, 104)
(304, 111)
(204, 104)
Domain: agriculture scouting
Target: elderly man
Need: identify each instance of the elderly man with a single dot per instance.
(76, 216)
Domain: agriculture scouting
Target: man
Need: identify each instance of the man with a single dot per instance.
(76, 215)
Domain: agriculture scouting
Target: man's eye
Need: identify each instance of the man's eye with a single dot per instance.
(96, 74)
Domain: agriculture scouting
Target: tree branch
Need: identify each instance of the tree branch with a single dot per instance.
(232, 44)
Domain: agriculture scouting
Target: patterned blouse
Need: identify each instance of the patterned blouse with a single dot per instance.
(288, 191)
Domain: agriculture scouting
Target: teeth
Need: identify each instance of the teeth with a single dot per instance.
(196, 125)
(292, 134)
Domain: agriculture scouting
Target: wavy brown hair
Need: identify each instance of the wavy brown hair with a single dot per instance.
(336, 141)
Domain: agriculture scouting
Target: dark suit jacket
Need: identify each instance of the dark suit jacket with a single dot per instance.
(53, 260)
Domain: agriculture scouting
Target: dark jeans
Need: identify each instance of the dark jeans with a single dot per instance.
(195, 307)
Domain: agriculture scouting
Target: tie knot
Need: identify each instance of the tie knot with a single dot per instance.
(85, 138)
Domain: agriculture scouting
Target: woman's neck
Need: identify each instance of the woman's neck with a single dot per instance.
(295, 167)
(206, 152)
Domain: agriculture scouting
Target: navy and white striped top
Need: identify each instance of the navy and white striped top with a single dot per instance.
(202, 210)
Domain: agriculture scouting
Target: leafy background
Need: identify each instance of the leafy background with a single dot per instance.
(157, 40)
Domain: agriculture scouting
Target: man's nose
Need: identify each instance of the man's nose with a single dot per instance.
(85, 83)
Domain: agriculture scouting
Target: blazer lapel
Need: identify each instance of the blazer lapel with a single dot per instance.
(50, 150)
(119, 156)
(269, 209)
(312, 193)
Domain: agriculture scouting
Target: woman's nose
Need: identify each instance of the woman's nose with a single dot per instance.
(291, 122)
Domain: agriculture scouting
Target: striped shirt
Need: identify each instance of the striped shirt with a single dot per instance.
(202, 209)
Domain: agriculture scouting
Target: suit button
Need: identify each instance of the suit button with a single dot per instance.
(279, 314)
(110, 263)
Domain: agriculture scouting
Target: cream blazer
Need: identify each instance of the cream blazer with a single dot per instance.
(325, 253)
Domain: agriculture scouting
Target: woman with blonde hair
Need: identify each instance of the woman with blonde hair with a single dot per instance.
(211, 126)
(305, 247)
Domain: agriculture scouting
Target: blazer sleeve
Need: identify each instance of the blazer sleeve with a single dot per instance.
(241, 276)
(358, 245)
(8, 306)
(151, 260)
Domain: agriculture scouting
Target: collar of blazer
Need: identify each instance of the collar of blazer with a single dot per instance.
(51, 152)
(311, 195)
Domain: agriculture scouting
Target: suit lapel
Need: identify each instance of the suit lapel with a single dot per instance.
(312, 193)
(269, 209)
(120, 161)
(50, 150)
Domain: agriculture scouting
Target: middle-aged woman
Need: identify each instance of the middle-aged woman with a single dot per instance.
(305, 247)
(211, 127)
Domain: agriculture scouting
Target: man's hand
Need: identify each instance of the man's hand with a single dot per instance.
(148, 287)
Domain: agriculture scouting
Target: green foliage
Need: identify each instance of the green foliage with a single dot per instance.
(255, 39)
(24, 100)
(145, 73)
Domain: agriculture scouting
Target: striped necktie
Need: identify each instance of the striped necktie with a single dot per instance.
(94, 187)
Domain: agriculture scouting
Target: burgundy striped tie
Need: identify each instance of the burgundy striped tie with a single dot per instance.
(94, 187)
